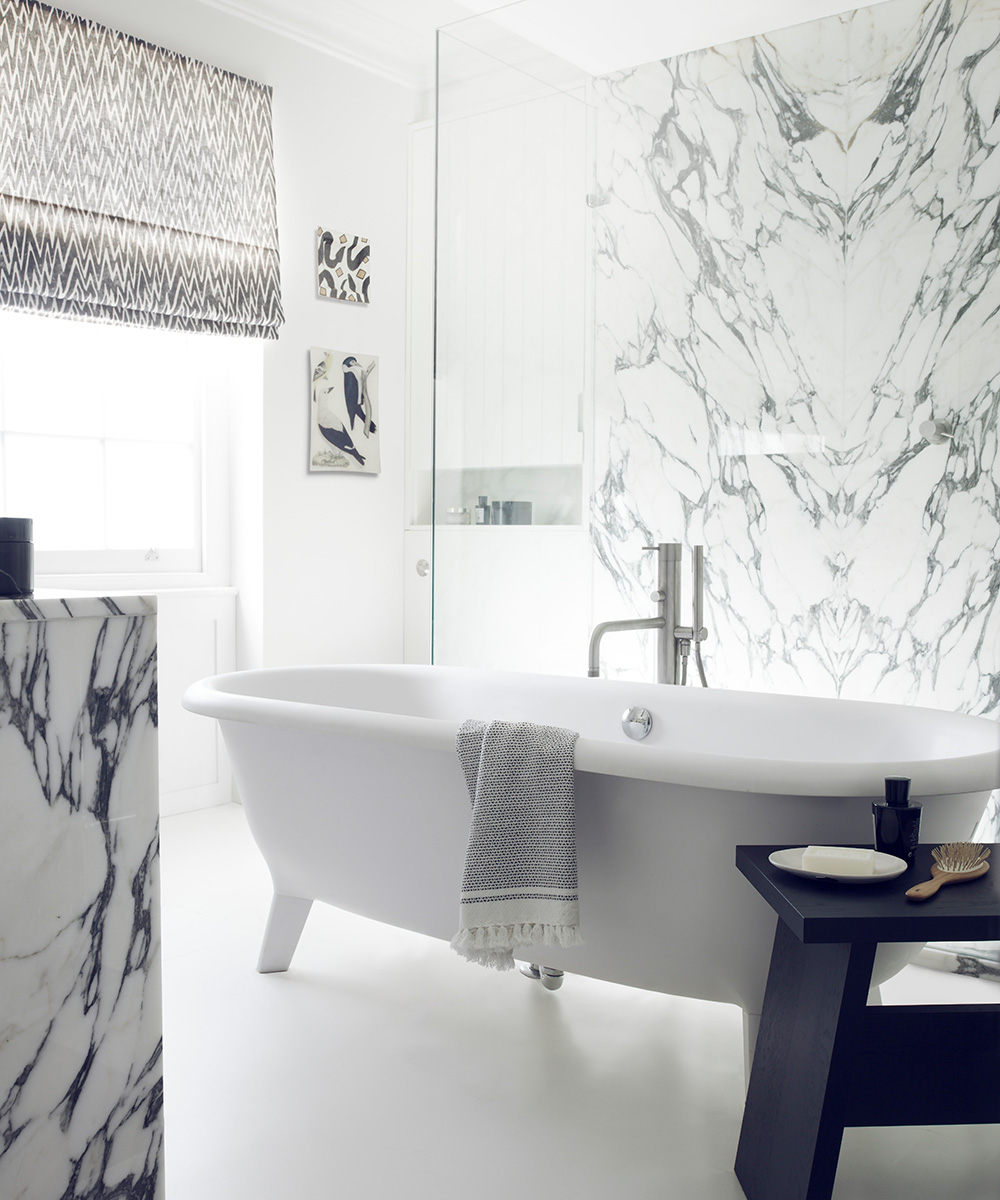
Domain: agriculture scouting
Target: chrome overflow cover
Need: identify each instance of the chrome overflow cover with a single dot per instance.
(637, 722)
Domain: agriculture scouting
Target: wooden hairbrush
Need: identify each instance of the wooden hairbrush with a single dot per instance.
(954, 862)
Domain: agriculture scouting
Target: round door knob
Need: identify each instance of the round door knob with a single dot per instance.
(423, 567)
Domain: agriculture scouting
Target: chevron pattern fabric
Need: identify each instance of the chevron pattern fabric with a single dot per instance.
(136, 185)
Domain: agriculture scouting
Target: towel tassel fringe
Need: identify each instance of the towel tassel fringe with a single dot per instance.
(493, 945)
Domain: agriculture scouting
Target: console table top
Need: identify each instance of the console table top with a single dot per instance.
(823, 910)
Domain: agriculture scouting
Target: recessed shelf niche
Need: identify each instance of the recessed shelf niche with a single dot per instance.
(554, 492)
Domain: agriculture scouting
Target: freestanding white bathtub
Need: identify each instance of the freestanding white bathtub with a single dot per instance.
(354, 794)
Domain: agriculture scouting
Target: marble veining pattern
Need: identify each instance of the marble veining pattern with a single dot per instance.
(53, 606)
(980, 960)
(80, 1050)
(798, 266)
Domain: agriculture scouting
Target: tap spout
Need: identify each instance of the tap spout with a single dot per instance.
(594, 659)
(674, 642)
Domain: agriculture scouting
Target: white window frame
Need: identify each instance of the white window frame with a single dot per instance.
(236, 365)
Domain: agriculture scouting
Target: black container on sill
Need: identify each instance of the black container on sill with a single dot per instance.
(897, 821)
(17, 557)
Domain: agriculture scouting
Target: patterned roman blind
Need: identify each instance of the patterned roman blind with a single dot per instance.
(136, 185)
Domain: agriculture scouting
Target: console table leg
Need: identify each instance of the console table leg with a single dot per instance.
(793, 1120)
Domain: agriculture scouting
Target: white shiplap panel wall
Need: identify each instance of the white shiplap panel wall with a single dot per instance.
(511, 330)
(494, 204)
(511, 271)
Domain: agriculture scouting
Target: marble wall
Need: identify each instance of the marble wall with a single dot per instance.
(796, 267)
(80, 1051)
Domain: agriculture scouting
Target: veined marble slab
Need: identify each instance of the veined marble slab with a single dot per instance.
(981, 960)
(80, 1015)
(798, 266)
(53, 606)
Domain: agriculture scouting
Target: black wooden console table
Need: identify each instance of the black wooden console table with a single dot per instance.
(824, 1059)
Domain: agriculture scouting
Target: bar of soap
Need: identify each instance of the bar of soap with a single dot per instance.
(838, 860)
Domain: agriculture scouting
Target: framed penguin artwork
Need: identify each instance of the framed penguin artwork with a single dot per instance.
(344, 426)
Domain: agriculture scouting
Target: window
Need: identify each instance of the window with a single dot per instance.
(114, 441)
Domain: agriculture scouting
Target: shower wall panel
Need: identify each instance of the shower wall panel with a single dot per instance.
(797, 267)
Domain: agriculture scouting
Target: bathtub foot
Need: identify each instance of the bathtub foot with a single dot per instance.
(549, 977)
(284, 927)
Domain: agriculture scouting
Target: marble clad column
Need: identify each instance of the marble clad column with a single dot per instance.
(80, 1016)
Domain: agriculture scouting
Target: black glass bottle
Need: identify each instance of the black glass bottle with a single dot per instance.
(897, 821)
(17, 557)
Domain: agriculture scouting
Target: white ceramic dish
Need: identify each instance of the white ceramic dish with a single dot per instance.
(887, 866)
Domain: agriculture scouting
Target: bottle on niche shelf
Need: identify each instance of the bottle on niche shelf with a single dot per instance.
(483, 511)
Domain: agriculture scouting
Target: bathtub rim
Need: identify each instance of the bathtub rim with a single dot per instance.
(958, 775)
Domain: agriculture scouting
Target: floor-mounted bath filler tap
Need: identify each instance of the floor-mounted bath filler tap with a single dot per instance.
(936, 432)
(673, 641)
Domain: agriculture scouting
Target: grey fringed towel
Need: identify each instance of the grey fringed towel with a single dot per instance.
(519, 887)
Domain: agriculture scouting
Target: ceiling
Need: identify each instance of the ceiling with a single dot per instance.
(395, 38)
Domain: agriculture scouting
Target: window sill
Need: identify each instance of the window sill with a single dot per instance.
(147, 585)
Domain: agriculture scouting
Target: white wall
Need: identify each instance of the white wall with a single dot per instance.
(319, 561)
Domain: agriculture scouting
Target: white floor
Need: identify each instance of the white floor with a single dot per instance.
(381, 1066)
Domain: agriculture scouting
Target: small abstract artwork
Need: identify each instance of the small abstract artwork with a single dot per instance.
(343, 266)
(343, 429)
